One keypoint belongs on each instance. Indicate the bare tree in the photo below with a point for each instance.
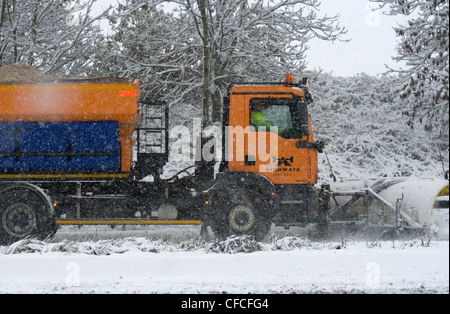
(203, 45)
(2, 10)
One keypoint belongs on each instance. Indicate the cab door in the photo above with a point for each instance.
(281, 153)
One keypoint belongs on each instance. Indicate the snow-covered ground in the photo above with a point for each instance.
(174, 260)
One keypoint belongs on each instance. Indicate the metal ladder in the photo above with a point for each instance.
(152, 139)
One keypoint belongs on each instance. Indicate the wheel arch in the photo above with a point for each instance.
(4, 187)
(251, 181)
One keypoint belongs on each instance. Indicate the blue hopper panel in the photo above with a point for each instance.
(59, 146)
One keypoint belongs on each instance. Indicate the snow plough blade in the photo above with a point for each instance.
(413, 203)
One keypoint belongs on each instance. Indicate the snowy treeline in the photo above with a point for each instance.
(363, 121)
(423, 44)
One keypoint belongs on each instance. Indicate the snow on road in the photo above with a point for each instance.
(145, 265)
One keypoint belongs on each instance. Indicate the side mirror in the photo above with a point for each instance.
(304, 130)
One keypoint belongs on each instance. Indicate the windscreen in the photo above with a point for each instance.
(290, 115)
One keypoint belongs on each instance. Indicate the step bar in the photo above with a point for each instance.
(99, 222)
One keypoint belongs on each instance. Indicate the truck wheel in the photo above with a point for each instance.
(241, 215)
(23, 213)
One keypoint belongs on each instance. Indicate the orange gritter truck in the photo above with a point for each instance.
(90, 152)
(80, 152)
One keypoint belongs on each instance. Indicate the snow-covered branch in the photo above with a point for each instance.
(218, 40)
(49, 35)
(423, 46)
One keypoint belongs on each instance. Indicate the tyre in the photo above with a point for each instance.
(24, 212)
(242, 214)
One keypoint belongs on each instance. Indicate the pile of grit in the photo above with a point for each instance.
(19, 74)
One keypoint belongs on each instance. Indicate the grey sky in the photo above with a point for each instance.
(372, 44)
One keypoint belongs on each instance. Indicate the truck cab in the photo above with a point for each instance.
(270, 165)
(282, 149)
